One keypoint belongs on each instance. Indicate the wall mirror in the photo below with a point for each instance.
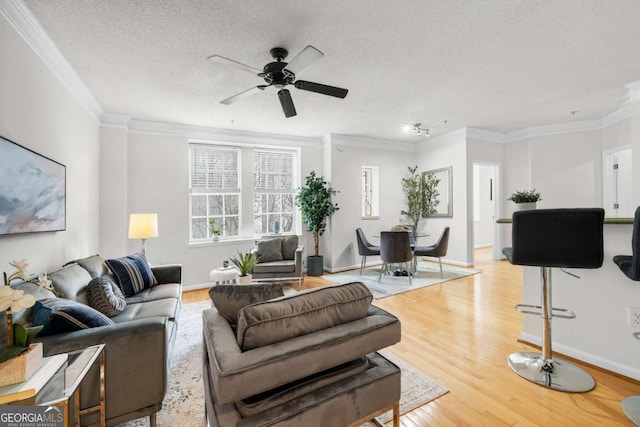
(444, 192)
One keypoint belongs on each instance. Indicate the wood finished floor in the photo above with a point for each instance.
(460, 334)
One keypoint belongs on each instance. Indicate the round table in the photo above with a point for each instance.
(221, 276)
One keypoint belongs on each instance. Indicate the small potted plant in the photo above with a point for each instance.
(525, 199)
(245, 263)
(215, 230)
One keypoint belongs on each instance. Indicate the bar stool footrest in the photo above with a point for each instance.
(555, 374)
(562, 313)
(528, 309)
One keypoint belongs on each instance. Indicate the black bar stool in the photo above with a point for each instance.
(546, 238)
(631, 404)
(630, 264)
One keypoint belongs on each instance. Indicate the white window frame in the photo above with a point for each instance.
(281, 214)
(207, 192)
(246, 221)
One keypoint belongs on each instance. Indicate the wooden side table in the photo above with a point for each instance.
(65, 385)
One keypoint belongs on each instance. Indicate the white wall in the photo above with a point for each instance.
(114, 214)
(452, 153)
(567, 170)
(36, 111)
(156, 170)
(346, 163)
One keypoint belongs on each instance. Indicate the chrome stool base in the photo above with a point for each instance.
(555, 374)
(631, 408)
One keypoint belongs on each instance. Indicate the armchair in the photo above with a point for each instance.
(280, 259)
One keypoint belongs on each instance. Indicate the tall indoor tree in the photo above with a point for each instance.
(314, 201)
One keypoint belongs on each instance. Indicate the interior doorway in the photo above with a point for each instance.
(485, 207)
(616, 182)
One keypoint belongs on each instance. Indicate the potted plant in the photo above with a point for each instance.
(412, 188)
(215, 230)
(314, 202)
(245, 263)
(525, 199)
(430, 194)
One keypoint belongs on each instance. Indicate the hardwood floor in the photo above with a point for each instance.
(460, 334)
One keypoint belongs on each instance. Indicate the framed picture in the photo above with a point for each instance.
(443, 194)
(32, 191)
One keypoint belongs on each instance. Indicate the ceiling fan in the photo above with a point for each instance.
(281, 74)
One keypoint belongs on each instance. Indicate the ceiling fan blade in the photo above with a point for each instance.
(306, 57)
(320, 88)
(242, 94)
(222, 60)
(287, 103)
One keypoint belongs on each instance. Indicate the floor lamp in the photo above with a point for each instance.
(143, 226)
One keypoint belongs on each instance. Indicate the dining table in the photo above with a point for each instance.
(414, 263)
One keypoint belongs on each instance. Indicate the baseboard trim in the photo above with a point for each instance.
(585, 358)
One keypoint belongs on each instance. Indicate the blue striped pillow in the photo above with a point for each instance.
(59, 315)
(133, 273)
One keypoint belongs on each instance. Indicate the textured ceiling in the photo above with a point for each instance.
(496, 65)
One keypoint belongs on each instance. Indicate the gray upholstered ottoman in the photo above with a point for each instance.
(348, 398)
(307, 359)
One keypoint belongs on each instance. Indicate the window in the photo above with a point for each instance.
(370, 206)
(215, 190)
(273, 191)
(219, 189)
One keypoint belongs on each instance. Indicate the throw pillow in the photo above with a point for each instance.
(270, 250)
(288, 317)
(133, 273)
(58, 315)
(230, 299)
(289, 246)
(105, 296)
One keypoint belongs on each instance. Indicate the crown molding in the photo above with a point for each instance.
(533, 131)
(617, 116)
(485, 135)
(633, 86)
(378, 144)
(459, 135)
(28, 27)
(115, 120)
(207, 133)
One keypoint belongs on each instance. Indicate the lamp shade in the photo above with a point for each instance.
(143, 225)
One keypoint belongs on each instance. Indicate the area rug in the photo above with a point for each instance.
(184, 403)
(416, 389)
(427, 274)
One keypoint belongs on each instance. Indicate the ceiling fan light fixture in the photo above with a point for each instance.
(281, 74)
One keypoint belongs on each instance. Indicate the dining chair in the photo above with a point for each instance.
(395, 248)
(365, 248)
(438, 249)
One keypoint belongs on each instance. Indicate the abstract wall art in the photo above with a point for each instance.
(32, 191)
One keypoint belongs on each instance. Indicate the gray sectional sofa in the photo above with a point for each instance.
(307, 359)
(137, 345)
